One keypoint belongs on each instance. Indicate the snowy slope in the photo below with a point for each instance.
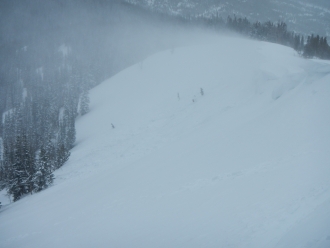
(247, 164)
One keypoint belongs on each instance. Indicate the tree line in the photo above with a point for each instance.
(314, 46)
(38, 130)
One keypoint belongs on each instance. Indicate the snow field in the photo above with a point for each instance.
(245, 165)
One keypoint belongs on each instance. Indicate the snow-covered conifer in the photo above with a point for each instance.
(43, 177)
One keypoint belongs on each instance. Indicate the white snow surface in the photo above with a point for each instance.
(245, 165)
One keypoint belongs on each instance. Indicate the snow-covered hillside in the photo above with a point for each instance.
(222, 144)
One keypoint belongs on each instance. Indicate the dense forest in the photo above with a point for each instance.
(54, 52)
(312, 47)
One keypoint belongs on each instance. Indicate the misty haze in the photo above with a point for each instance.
(174, 123)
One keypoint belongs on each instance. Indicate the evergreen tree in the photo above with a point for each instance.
(84, 103)
(21, 172)
(63, 155)
(43, 177)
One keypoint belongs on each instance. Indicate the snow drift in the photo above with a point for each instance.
(222, 144)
